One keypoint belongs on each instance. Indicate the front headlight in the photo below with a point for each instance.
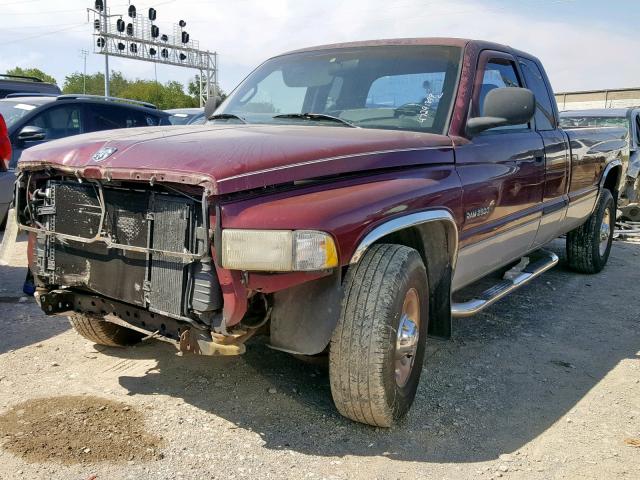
(278, 250)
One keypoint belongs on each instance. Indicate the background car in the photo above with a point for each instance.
(32, 120)
(6, 182)
(20, 84)
(627, 118)
(186, 116)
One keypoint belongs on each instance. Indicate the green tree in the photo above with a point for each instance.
(75, 83)
(193, 88)
(168, 95)
(32, 72)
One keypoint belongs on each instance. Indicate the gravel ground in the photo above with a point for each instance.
(543, 385)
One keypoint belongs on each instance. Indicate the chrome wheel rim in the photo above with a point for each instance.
(407, 337)
(605, 231)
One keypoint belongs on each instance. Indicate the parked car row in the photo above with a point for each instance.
(629, 120)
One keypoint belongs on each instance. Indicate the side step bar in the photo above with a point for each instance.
(506, 286)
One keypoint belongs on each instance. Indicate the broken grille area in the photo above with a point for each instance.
(139, 218)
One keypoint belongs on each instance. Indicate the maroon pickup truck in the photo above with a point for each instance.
(335, 202)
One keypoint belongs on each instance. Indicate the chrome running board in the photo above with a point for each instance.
(513, 280)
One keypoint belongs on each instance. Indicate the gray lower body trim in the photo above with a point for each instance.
(481, 258)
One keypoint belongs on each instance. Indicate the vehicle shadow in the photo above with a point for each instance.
(22, 322)
(507, 376)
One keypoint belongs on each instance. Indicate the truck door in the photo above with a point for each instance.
(556, 149)
(502, 174)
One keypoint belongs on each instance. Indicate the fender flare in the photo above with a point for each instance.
(407, 221)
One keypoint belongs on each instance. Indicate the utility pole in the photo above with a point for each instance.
(84, 54)
(105, 24)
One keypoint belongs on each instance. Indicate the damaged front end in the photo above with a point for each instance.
(132, 253)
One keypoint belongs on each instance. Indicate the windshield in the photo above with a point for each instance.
(583, 121)
(384, 87)
(14, 111)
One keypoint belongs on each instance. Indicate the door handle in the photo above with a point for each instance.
(538, 156)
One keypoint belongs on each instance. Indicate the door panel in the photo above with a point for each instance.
(555, 199)
(502, 175)
(556, 149)
(502, 179)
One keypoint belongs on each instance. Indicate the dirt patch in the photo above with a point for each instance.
(77, 429)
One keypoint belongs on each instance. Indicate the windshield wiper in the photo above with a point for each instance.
(317, 116)
(227, 116)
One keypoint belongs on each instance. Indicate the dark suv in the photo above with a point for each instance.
(11, 84)
(32, 120)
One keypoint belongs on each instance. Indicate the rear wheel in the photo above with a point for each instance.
(589, 245)
(102, 332)
(377, 348)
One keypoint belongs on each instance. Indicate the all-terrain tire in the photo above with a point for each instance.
(362, 356)
(584, 252)
(102, 332)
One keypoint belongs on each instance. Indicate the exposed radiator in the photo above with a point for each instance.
(133, 217)
(171, 231)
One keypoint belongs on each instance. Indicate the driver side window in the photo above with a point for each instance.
(59, 122)
(498, 73)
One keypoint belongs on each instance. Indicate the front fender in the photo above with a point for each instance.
(348, 209)
(354, 211)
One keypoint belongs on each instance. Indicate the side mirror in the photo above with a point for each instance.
(504, 106)
(32, 134)
(212, 104)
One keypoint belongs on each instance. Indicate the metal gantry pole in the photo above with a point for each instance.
(105, 23)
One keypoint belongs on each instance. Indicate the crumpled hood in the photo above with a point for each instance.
(230, 158)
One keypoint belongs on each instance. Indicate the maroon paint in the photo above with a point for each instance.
(269, 283)
(234, 158)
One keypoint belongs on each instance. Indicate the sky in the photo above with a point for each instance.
(583, 44)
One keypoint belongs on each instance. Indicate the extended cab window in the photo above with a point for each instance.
(535, 82)
(59, 122)
(498, 73)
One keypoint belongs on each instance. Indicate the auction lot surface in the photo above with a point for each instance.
(544, 385)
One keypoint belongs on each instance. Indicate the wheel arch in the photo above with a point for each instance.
(434, 234)
(611, 177)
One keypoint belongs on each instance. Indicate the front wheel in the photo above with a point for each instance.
(377, 348)
(101, 332)
(589, 245)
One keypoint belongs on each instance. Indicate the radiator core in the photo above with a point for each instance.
(138, 218)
